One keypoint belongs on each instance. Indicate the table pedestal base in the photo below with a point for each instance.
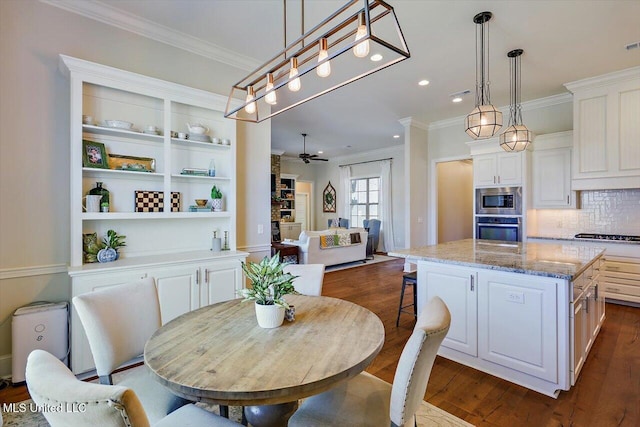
(270, 415)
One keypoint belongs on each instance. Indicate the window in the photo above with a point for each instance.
(365, 198)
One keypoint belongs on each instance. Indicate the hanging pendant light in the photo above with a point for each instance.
(485, 120)
(516, 137)
(337, 51)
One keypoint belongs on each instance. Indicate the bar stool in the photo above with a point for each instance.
(408, 279)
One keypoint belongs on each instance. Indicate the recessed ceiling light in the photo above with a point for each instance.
(396, 136)
(377, 57)
(423, 82)
(456, 99)
(319, 152)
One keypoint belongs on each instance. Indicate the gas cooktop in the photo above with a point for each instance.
(621, 237)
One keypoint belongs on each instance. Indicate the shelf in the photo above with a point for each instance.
(112, 216)
(106, 173)
(196, 177)
(187, 142)
(100, 130)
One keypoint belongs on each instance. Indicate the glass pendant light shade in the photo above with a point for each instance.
(516, 137)
(485, 120)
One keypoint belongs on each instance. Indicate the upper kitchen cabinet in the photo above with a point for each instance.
(493, 167)
(551, 172)
(606, 140)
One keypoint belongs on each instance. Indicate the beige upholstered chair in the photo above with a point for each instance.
(118, 321)
(52, 384)
(310, 278)
(368, 401)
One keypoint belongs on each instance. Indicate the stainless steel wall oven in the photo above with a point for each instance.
(499, 228)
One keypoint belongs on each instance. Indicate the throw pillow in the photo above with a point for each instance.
(355, 238)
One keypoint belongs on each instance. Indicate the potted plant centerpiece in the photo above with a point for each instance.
(111, 244)
(269, 286)
(216, 199)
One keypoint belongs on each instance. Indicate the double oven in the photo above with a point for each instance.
(499, 214)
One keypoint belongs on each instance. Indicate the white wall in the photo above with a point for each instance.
(34, 142)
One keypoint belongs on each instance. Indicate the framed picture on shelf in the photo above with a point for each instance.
(94, 155)
(329, 198)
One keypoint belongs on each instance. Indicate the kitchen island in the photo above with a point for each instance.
(525, 312)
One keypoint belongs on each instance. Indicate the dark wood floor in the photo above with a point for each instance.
(607, 392)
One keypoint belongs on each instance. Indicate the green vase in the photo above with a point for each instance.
(104, 201)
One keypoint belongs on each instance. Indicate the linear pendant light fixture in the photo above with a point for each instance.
(485, 120)
(332, 54)
(516, 137)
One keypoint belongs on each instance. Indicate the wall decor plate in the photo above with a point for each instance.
(153, 201)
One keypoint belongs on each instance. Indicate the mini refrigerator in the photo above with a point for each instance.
(39, 326)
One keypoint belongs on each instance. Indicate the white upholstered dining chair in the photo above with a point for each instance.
(310, 278)
(118, 321)
(368, 401)
(52, 384)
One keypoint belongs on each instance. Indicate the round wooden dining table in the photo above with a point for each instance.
(218, 354)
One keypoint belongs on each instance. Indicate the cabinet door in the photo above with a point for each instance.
(578, 328)
(517, 320)
(457, 288)
(484, 170)
(552, 179)
(221, 282)
(178, 290)
(509, 168)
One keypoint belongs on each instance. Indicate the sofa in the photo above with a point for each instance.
(332, 246)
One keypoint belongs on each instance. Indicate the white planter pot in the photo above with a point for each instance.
(216, 205)
(269, 316)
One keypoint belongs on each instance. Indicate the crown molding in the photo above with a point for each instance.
(410, 121)
(605, 79)
(129, 22)
(534, 104)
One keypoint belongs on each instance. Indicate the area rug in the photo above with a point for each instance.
(376, 259)
(427, 415)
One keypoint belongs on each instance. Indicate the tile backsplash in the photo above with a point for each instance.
(602, 211)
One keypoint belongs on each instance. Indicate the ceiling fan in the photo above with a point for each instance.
(306, 157)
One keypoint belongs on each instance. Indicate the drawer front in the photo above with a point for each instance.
(615, 288)
(622, 267)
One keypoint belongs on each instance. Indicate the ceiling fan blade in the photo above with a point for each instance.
(322, 160)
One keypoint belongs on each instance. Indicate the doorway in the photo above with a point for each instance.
(302, 210)
(455, 200)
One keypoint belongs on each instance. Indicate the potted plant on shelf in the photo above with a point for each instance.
(269, 286)
(111, 243)
(216, 199)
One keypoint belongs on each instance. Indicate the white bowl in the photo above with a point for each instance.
(120, 124)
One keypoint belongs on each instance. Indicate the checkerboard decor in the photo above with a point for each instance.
(153, 201)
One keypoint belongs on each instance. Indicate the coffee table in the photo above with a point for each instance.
(218, 354)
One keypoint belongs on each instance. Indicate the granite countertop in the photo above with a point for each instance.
(561, 238)
(537, 259)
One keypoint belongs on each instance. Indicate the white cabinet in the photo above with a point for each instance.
(498, 169)
(517, 324)
(587, 316)
(512, 325)
(456, 287)
(551, 172)
(620, 278)
(184, 282)
(290, 230)
(606, 150)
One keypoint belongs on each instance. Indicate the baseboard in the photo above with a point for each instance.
(5, 366)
